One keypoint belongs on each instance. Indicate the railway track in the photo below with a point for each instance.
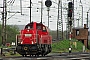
(53, 56)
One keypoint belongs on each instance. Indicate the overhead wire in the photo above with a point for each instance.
(11, 2)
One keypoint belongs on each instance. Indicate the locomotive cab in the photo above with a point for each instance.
(34, 39)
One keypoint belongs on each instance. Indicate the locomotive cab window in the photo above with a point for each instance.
(28, 27)
(44, 29)
(39, 27)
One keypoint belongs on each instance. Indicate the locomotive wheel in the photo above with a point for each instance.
(43, 54)
(46, 50)
(36, 55)
(30, 55)
(23, 55)
(49, 48)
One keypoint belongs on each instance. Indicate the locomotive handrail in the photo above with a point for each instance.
(17, 39)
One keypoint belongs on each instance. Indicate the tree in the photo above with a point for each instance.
(54, 34)
(11, 32)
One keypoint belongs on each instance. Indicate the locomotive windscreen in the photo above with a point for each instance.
(29, 26)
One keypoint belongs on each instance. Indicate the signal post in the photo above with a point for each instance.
(70, 12)
(4, 17)
(48, 3)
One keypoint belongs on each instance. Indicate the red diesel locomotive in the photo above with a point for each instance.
(34, 39)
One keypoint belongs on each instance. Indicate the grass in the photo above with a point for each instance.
(9, 54)
(60, 46)
(63, 46)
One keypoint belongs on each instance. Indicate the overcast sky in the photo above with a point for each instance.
(19, 19)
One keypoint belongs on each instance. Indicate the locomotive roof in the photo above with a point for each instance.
(31, 24)
(34, 22)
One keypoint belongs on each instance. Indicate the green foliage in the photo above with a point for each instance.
(11, 32)
(88, 44)
(11, 54)
(54, 34)
(63, 46)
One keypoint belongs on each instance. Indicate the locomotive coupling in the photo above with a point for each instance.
(25, 48)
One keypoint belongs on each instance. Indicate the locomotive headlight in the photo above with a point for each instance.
(28, 35)
(22, 42)
(32, 42)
